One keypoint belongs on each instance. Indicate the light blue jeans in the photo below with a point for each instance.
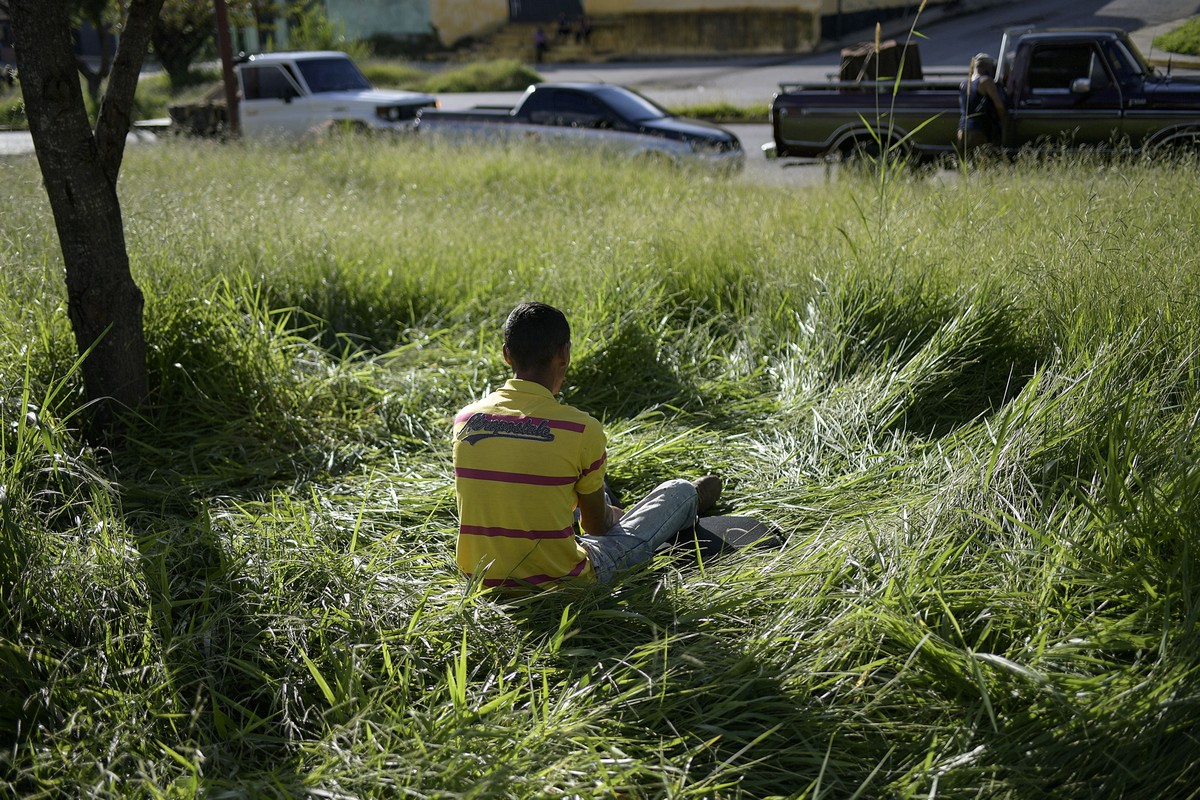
(656, 518)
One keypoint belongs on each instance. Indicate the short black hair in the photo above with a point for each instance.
(533, 333)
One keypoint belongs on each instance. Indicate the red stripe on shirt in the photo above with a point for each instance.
(512, 533)
(574, 427)
(532, 580)
(597, 464)
(513, 477)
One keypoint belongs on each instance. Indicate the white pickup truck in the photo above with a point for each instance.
(293, 94)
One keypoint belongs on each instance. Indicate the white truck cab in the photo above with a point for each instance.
(292, 94)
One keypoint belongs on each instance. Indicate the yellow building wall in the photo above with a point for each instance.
(851, 6)
(773, 23)
(455, 20)
(602, 7)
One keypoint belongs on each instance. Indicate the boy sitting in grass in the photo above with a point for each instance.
(524, 463)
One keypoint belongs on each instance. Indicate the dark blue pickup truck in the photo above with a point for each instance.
(1065, 89)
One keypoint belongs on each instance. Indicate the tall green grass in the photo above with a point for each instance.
(971, 409)
(1184, 38)
(12, 107)
(723, 111)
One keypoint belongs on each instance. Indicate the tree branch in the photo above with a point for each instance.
(115, 117)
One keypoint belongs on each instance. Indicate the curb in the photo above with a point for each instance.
(1173, 60)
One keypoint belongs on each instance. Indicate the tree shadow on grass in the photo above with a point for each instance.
(227, 670)
(949, 361)
(624, 374)
(222, 606)
(343, 310)
(966, 386)
(708, 704)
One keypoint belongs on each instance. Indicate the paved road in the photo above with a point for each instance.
(19, 143)
(14, 143)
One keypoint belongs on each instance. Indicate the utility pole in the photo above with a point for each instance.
(226, 51)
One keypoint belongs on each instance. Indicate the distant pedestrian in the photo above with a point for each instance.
(981, 106)
(583, 31)
(539, 44)
(564, 26)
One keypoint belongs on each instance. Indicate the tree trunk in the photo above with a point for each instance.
(80, 171)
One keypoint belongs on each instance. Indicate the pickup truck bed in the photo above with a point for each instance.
(841, 118)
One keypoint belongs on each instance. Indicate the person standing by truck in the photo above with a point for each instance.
(981, 107)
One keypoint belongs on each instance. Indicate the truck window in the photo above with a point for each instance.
(333, 74)
(540, 106)
(630, 105)
(562, 107)
(578, 110)
(1122, 62)
(1098, 71)
(267, 82)
(1053, 67)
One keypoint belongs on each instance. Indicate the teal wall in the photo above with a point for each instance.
(363, 18)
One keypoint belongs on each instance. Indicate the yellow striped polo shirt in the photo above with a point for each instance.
(521, 458)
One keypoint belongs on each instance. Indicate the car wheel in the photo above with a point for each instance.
(653, 158)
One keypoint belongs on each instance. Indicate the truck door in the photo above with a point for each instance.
(570, 116)
(580, 117)
(272, 103)
(1068, 97)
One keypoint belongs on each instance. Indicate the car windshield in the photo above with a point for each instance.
(332, 74)
(631, 105)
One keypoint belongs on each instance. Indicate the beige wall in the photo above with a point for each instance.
(850, 6)
(745, 30)
(822, 6)
(601, 7)
(458, 19)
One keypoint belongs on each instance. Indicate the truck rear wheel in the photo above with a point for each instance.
(1185, 146)
(867, 152)
(862, 150)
